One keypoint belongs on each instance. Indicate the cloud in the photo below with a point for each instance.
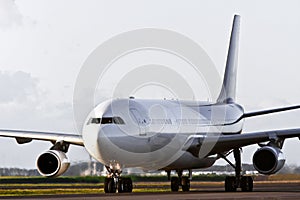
(25, 105)
(22, 100)
(18, 87)
(9, 14)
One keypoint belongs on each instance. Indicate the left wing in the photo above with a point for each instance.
(27, 136)
(223, 143)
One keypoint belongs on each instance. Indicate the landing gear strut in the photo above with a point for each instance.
(237, 181)
(115, 182)
(182, 181)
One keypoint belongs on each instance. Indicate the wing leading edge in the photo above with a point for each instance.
(27, 136)
(225, 143)
(269, 111)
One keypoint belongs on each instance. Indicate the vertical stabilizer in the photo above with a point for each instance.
(227, 93)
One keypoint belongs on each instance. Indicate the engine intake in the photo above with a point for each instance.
(268, 160)
(52, 163)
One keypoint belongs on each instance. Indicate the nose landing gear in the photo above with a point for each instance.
(115, 182)
(176, 182)
(124, 185)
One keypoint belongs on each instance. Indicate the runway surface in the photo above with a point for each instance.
(261, 191)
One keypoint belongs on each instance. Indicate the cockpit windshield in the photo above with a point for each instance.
(106, 120)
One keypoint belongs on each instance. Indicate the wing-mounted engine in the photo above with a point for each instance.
(268, 160)
(53, 162)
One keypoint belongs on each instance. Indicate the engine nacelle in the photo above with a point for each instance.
(268, 160)
(52, 163)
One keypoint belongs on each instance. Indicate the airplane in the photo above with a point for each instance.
(169, 135)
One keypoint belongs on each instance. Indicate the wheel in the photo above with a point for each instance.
(130, 186)
(121, 188)
(174, 184)
(124, 185)
(106, 185)
(247, 184)
(127, 182)
(185, 182)
(230, 184)
(109, 185)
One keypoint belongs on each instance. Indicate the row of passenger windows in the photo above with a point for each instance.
(161, 121)
(190, 121)
(106, 120)
(178, 121)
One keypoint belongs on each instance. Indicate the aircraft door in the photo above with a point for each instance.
(141, 121)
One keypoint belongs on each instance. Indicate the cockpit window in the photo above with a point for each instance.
(95, 120)
(118, 120)
(107, 120)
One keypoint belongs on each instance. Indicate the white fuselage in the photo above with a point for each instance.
(151, 134)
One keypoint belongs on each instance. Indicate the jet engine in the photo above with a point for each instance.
(268, 160)
(52, 163)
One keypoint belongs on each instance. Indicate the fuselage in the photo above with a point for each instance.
(151, 134)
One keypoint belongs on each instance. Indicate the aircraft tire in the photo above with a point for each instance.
(247, 184)
(174, 184)
(125, 185)
(186, 184)
(109, 185)
(230, 184)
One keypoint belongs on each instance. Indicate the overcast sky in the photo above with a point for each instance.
(43, 45)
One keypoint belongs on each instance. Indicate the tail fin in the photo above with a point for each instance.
(227, 93)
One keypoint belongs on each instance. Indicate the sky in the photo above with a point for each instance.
(45, 43)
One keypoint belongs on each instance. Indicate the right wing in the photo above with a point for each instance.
(27, 136)
(223, 143)
(269, 111)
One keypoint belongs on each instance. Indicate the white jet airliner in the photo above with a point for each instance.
(168, 135)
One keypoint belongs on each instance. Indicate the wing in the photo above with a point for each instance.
(269, 111)
(27, 136)
(225, 143)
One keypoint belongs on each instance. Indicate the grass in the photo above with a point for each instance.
(40, 179)
(28, 186)
(30, 192)
(53, 189)
(284, 177)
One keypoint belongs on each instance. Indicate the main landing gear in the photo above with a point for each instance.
(114, 182)
(180, 181)
(237, 181)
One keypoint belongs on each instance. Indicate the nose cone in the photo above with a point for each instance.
(100, 124)
(91, 130)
